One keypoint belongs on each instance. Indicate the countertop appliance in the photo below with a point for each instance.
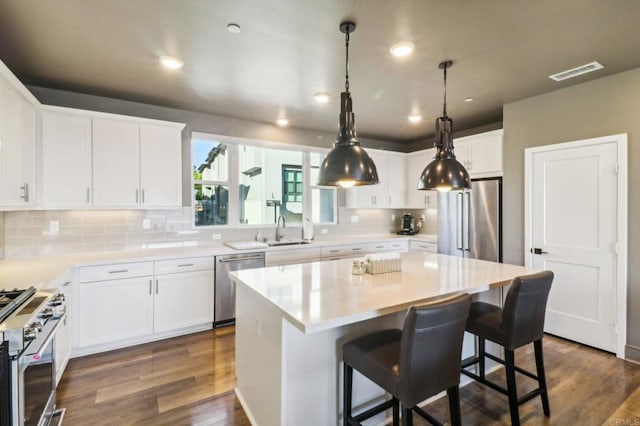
(470, 222)
(408, 225)
(29, 320)
(225, 290)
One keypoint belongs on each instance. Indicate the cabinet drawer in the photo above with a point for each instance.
(398, 245)
(424, 246)
(115, 271)
(187, 264)
(292, 256)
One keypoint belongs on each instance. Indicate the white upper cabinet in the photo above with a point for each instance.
(66, 160)
(18, 121)
(160, 165)
(116, 163)
(92, 159)
(481, 154)
(390, 192)
(419, 199)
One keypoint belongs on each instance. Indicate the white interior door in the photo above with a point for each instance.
(572, 223)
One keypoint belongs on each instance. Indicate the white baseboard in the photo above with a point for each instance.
(252, 420)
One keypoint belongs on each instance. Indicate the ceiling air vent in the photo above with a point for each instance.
(574, 72)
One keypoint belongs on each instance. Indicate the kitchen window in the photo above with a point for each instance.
(242, 182)
(210, 166)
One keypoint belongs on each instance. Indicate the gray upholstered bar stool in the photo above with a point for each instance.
(411, 364)
(519, 323)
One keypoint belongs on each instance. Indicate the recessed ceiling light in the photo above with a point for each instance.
(415, 118)
(171, 62)
(282, 122)
(233, 28)
(403, 48)
(469, 99)
(321, 97)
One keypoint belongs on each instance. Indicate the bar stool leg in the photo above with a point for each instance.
(510, 371)
(481, 352)
(396, 411)
(346, 399)
(407, 416)
(542, 381)
(454, 406)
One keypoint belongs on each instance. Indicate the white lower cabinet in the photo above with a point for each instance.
(114, 310)
(183, 300)
(426, 246)
(125, 304)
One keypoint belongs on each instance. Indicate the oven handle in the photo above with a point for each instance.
(53, 332)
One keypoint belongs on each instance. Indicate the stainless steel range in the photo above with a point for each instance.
(29, 320)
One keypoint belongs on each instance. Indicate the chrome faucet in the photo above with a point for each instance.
(280, 231)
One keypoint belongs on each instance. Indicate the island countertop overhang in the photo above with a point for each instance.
(322, 295)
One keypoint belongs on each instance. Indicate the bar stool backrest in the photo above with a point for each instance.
(524, 309)
(430, 348)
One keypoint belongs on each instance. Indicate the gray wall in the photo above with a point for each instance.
(607, 106)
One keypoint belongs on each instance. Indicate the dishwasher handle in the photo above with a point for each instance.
(239, 259)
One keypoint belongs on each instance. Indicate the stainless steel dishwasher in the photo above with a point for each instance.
(225, 289)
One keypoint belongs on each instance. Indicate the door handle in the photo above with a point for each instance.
(460, 212)
(538, 251)
(467, 215)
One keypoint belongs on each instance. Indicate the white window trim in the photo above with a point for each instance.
(233, 182)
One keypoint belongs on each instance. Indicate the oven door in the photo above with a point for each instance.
(36, 384)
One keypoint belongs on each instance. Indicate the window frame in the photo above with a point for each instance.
(233, 179)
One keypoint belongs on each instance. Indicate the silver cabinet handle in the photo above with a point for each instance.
(143, 196)
(88, 195)
(157, 286)
(150, 285)
(460, 213)
(25, 192)
(119, 271)
(66, 284)
(467, 216)
(239, 259)
(379, 247)
(137, 191)
(356, 248)
(184, 265)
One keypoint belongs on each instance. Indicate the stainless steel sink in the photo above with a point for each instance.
(287, 243)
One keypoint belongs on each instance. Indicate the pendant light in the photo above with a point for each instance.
(444, 173)
(347, 164)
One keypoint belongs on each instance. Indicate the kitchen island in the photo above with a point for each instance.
(291, 322)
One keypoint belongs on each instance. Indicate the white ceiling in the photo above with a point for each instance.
(288, 50)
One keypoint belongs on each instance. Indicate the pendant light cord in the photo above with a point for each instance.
(346, 68)
(444, 105)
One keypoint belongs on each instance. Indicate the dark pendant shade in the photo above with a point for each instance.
(444, 173)
(347, 164)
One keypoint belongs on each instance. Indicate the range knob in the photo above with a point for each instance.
(37, 325)
(46, 313)
(30, 334)
(57, 300)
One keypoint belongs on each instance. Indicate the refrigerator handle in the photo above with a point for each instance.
(467, 217)
(460, 218)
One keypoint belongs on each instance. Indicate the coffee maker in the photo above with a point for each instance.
(408, 225)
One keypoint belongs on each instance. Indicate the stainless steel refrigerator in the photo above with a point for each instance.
(470, 222)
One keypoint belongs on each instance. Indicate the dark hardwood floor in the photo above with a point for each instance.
(189, 380)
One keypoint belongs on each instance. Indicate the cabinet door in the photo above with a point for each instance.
(371, 196)
(116, 163)
(396, 180)
(485, 153)
(17, 150)
(415, 165)
(160, 165)
(66, 160)
(183, 300)
(114, 310)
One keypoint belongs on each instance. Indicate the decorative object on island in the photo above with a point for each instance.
(444, 173)
(347, 164)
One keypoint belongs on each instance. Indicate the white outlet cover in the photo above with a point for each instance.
(146, 224)
(216, 236)
(393, 217)
(324, 231)
(54, 226)
(355, 219)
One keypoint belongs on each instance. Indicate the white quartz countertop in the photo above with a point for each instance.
(40, 272)
(323, 295)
